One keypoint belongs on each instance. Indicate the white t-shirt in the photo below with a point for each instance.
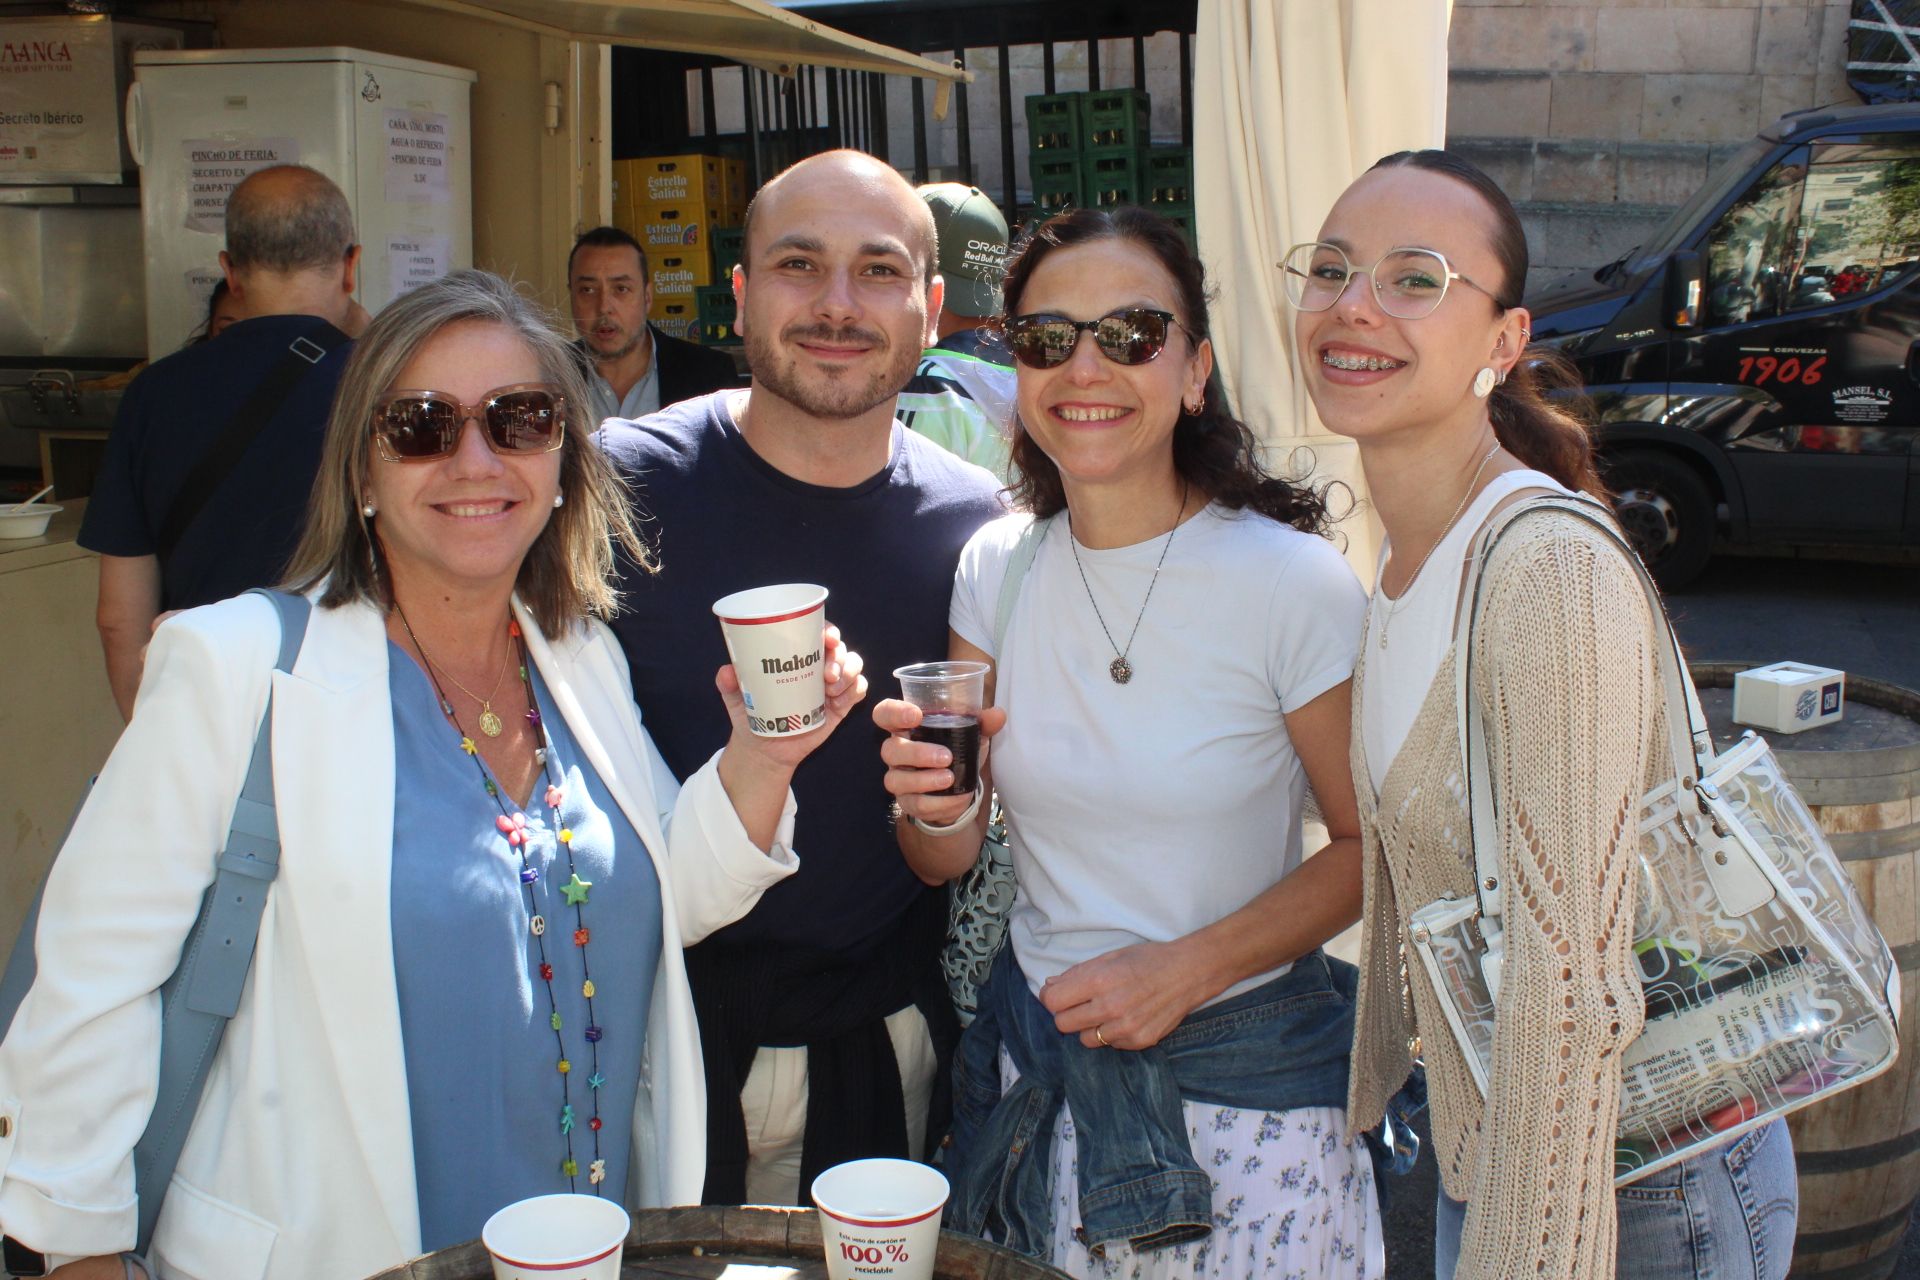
(1144, 811)
(1400, 676)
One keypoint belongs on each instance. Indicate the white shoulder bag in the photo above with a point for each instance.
(1767, 985)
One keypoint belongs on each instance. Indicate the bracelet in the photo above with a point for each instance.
(959, 824)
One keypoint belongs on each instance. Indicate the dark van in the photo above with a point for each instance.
(1756, 364)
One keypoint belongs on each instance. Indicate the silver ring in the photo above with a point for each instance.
(1099, 1033)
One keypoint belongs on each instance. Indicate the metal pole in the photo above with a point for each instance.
(1012, 200)
(919, 130)
(963, 116)
(1186, 89)
(1093, 64)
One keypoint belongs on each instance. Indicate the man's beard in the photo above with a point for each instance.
(633, 342)
(828, 395)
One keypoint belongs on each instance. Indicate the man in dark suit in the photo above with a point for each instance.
(632, 368)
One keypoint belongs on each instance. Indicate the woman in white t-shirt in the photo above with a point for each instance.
(1422, 366)
(1172, 678)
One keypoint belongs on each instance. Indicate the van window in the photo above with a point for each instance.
(1827, 222)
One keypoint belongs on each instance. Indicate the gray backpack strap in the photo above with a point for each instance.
(1018, 563)
(204, 992)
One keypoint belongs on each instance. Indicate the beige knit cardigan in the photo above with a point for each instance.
(1564, 671)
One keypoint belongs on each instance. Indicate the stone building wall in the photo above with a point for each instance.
(1601, 117)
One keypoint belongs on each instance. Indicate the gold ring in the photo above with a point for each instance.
(1099, 1033)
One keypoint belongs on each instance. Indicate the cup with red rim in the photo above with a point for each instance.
(880, 1219)
(557, 1237)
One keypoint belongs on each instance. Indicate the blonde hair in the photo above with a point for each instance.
(568, 572)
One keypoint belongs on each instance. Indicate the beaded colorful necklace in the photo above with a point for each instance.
(512, 825)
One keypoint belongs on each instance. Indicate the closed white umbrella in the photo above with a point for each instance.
(1293, 99)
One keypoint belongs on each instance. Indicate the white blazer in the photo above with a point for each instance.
(299, 1165)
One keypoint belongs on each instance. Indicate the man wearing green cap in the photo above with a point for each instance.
(961, 396)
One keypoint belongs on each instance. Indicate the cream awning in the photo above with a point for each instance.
(1291, 102)
(750, 31)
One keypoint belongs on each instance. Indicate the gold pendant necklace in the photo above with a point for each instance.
(490, 722)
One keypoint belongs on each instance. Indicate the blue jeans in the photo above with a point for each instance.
(1725, 1214)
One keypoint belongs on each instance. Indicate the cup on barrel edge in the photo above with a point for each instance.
(950, 696)
(880, 1219)
(776, 641)
(572, 1236)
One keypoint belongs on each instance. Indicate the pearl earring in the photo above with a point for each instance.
(559, 499)
(369, 510)
(1485, 381)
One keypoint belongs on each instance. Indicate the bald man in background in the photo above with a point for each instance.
(204, 488)
(824, 1017)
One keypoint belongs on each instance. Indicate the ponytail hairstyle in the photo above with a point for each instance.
(1540, 413)
(1213, 451)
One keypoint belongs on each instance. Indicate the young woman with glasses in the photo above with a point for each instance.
(1410, 336)
(1154, 1083)
(468, 987)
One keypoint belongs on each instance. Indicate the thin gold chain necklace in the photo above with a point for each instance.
(1391, 605)
(489, 721)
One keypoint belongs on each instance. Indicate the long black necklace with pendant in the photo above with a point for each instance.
(1120, 669)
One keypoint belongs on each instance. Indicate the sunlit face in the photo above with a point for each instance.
(1371, 374)
(611, 296)
(1097, 420)
(465, 520)
(836, 308)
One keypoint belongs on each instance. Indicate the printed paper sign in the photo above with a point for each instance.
(215, 166)
(417, 156)
(415, 260)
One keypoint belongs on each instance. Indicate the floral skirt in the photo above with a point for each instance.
(1293, 1199)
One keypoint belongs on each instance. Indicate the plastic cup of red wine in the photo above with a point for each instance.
(950, 696)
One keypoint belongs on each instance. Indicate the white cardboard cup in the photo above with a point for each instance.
(558, 1237)
(775, 638)
(880, 1219)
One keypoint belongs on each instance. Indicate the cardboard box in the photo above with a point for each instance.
(1788, 697)
(62, 82)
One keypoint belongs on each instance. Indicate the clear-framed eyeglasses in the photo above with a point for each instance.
(1407, 282)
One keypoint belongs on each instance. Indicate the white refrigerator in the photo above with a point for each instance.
(394, 133)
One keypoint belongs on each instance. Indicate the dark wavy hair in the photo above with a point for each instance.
(1540, 413)
(1213, 451)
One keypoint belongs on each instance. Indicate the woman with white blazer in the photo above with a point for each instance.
(467, 987)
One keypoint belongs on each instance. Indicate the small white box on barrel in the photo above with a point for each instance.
(1788, 697)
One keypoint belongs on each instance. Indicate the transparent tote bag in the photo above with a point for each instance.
(1767, 985)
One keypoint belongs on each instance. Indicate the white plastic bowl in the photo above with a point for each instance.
(27, 522)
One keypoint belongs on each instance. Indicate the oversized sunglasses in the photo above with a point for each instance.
(1132, 335)
(1408, 282)
(419, 426)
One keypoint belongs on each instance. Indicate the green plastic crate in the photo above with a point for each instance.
(1181, 215)
(1113, 176)
(1170, 175)
(1058, 181)
(1116, 118)
(714, 315)
(729, 246)
(1053, 121)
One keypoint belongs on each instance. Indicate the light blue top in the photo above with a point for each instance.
(482, 1081)
(641, 400)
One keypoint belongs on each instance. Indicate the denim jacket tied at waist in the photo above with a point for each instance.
(1282, 1045)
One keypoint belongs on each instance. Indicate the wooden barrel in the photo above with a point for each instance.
(1859, 1153)
(699, 1244)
